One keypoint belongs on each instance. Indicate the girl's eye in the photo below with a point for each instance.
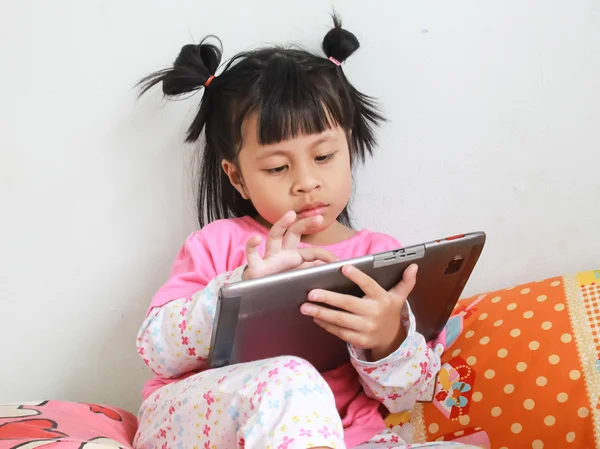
(277, 169)
(324, 158)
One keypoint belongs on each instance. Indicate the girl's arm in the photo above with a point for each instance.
(175, 338)
(405, 376)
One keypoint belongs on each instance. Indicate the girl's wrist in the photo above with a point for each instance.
(381, 352)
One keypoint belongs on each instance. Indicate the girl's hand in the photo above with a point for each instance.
(372, 322)
(281, 250)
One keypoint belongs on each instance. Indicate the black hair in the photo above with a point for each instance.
(292, 91)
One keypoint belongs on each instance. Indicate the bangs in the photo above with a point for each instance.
(291, 100)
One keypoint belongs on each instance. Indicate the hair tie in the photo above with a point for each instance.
(335, 61)
(209, 80)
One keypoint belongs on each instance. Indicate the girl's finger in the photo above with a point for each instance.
(314, 254)
(283, 261)
(316, 263)
(349, 336)
(367, 284)
(252, 257)
(348, 303)
(298, 229)
(337, 318)
(277, 232)
(409, 279)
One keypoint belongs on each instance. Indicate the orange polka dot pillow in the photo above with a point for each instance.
(523, 372)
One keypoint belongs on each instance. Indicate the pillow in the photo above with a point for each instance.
(65, 425)
(524, 372)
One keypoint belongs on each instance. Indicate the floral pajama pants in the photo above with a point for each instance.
(279, 403)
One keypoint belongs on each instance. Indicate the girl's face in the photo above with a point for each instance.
(309, 174)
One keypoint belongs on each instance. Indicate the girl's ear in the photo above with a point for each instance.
(235, 177)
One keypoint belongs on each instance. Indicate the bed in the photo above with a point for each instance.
(521, 370)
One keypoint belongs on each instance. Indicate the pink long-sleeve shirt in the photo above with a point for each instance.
(174, 340)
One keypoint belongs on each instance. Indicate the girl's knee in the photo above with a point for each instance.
(292, 364)
(290, 373)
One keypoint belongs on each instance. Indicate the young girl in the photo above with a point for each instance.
(283, 128)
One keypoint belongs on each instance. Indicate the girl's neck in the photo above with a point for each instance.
(335, 233)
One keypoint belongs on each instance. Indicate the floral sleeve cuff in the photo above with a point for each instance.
(235, 275)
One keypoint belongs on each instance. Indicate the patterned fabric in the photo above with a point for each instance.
(524, 372)
(280, 403)
(65, 425)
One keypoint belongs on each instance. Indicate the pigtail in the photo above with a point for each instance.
(339, 44)
(193, 69)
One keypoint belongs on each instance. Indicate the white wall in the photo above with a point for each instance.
(495, 113)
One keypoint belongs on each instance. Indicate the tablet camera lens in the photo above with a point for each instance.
(454, 265)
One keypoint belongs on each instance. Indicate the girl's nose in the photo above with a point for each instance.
(305, 181)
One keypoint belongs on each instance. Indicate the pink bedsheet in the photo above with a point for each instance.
(65, 425)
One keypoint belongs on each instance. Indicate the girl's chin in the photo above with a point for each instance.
(325, 225)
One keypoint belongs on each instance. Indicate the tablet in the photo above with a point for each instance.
(260, 318)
